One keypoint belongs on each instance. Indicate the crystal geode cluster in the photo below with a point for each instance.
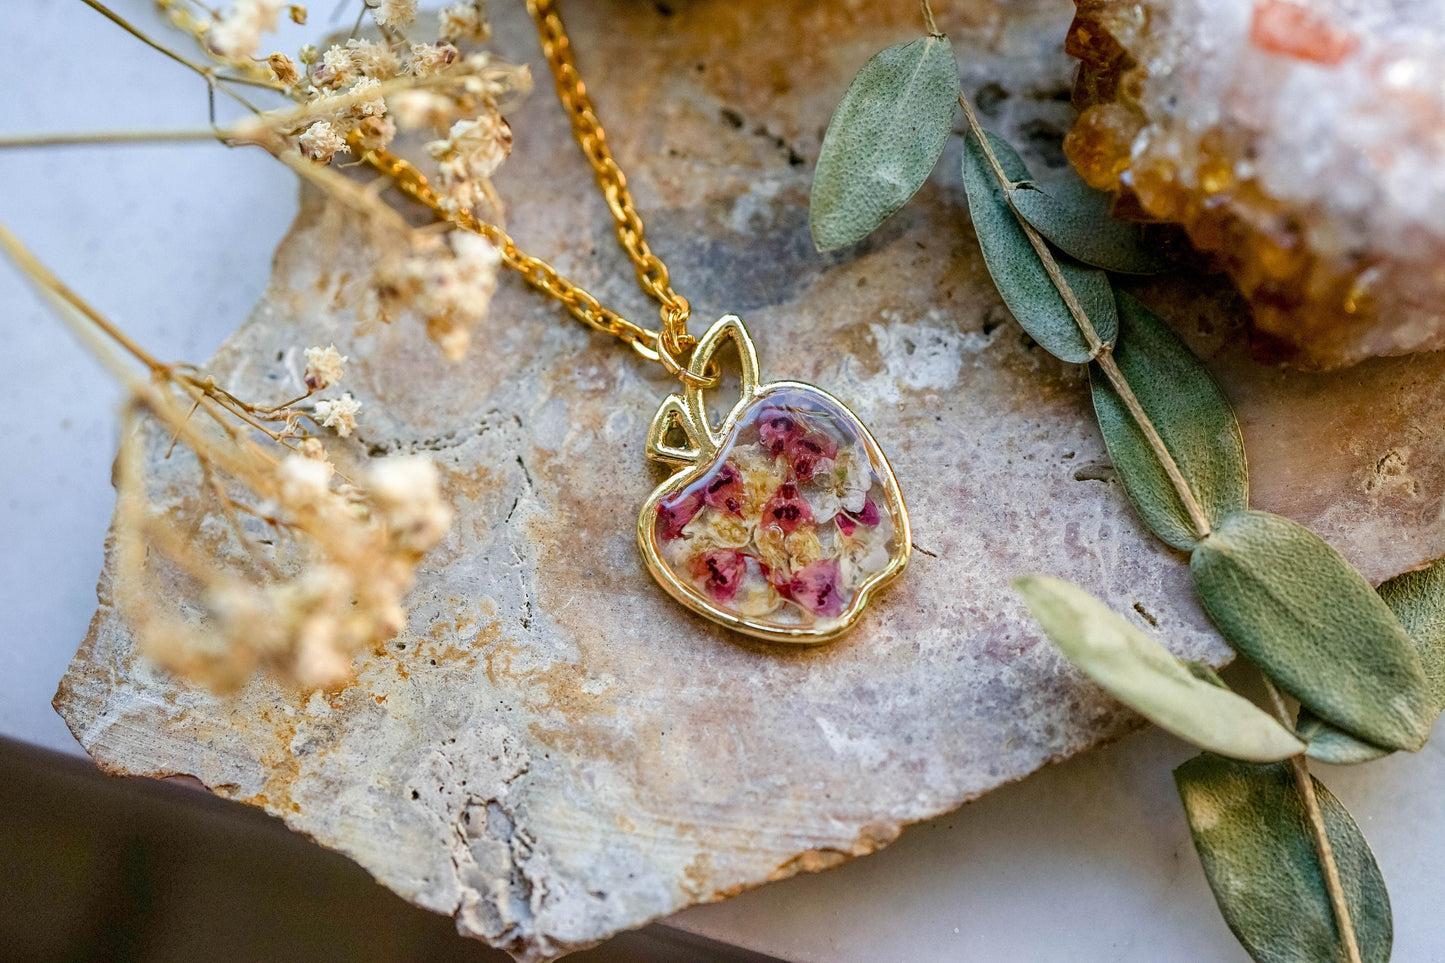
(1300, 146)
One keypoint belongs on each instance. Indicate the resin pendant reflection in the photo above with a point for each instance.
(784, 520)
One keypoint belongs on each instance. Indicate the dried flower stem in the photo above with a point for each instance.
(928, 20)
(214, 79)
(59, 293)
(83, 138)
(1333, 885)
(1101, 352)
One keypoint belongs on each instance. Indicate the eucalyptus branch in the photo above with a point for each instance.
(1101, 352)
(928, 20)
(1333, 884)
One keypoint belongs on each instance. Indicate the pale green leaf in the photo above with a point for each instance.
(885, 137)
(1076, 219)
(1146, 677)
(1192, 416)
(1418, 601)
(1314, 625)
(1250, 828)
(1329, 743)
(1016, 269)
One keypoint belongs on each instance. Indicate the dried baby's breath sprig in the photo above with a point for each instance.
(297, 570)
(338, 414)
(324, 367)
(449, 283)
(466, 159)
(354, 97)
(466, 21)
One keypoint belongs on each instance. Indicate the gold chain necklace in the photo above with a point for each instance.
(781, 522)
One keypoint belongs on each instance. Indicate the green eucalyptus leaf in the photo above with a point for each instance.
(1251, 830)
(1016, 269)
(1192, 416)
(1314, 625)
(1204, 672)
(885, 137)
(1146, 677)
(1329, 743)
(1418, 601)
(1076, 218)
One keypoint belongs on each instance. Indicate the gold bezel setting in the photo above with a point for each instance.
(687, 413)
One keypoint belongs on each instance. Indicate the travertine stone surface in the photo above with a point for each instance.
(555, 750)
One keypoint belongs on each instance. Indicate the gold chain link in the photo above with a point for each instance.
(670, 346)
(587, 129)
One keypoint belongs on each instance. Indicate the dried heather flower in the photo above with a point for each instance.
(394, 13)
(338, 414)
(323, 367)
(320, 142)
(466, 21)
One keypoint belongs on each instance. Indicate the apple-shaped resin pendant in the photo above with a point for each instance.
(784, 520)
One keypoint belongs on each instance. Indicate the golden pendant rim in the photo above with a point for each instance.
(689, 413)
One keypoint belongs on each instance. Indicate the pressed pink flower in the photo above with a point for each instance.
(720, 572)
(815, 587)
(724, 490)
(846, 524)
(787, 509)
(809, 452)
(777, 427)
(868, 516)
(675, 511)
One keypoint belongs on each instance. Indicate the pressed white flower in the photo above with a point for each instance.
(842, 486)
(394, 13)
(406, 491)
(338, 414)
(465, 21)
(320, 142)
(323, 367)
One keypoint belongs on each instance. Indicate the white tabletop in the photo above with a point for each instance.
(1086, 861)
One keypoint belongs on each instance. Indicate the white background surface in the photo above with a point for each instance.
(1086, 861)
